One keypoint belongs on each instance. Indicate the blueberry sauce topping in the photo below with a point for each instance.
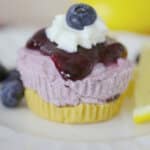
(78, 65)
(80, 15)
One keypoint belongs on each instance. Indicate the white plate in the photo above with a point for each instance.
(20, 124)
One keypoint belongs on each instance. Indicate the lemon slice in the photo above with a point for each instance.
(142, 90)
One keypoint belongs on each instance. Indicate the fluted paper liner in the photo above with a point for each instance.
(82, 113)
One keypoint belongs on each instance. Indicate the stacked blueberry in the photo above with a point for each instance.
(12, 90)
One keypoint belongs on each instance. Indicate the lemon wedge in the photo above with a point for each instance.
(142, 90)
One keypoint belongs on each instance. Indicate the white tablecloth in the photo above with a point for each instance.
(12, 39)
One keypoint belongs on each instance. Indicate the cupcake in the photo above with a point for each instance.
(73, 72)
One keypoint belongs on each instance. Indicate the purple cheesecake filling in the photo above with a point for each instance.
(102, 85)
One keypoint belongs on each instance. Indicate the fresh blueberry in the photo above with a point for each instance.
(80, 15)
(12, 75)
(11, 93)
(3, 72)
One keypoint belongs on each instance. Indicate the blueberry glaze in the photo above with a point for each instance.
(78, 65)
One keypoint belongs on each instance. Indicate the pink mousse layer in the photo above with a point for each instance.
(39, 73)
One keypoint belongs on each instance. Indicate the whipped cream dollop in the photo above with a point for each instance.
(69, 39)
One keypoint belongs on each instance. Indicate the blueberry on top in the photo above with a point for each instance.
(80, 15)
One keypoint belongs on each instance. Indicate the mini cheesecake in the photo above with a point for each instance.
(73, 72)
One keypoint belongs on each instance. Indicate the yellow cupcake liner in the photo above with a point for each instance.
(82, 113)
